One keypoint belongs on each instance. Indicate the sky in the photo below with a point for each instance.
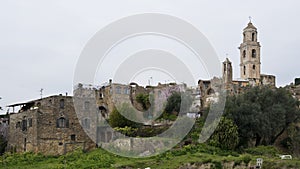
(41, 41)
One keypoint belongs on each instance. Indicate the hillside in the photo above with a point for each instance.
(198, 156)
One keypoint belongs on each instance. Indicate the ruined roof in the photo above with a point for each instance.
(32, 101)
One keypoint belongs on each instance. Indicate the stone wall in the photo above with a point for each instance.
(49, 126)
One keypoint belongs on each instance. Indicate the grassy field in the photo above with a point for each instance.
(194, 155)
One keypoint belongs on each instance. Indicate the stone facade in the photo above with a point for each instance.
(250, 70)
(49, 126)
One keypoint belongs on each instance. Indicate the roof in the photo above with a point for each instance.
(227, 61)
(32, 101)
(250, 26)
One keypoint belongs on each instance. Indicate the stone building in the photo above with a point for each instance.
(250, 70)
(48, 125)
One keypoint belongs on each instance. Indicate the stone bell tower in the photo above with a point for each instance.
(227, 72)
(250, 54)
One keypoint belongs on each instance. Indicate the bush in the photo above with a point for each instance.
(269, 151)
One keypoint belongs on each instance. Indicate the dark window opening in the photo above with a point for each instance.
(253, 36)
(73, 137)
(62, 123)
(253, 53)
(62, 103)
(253, 67)
(244, 53)
(25, 141)
(18, 125)
(244, 70)
(60, 143)
(24, 125)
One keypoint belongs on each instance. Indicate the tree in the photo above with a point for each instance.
(116, 119)
(226, 135)
(262, 114)
(178, 102)
(143, 99)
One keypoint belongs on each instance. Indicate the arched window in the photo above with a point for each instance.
(253, 36)
(244, 70)
(62, 103)
(253, 67)
(62, 123)
(253, 53)
(244, 53)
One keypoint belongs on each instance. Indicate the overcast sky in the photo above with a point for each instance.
(40, 41)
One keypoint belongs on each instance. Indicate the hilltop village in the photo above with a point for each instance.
(52, 125)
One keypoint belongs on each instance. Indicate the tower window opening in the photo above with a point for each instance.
(244, 53)
(253, 53)
(253, 67)
(62, 103)
(244, 70)
(253, 36)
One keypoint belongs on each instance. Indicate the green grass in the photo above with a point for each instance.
(194, 155)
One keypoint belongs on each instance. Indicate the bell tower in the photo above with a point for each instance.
(227, 72)
(250, 54)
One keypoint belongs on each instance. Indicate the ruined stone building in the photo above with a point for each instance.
(48, 125)
(250, 69)
(59, 124)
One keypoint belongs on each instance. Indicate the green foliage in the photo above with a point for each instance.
(128, 131)
(246, 159)
(270, 151)
(143, 99)
(116, 119)
(176, 158)
(262, 114)
(226, 135)
(178, 102)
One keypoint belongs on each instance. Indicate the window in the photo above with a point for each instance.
(73, 137)
(126, 90)
(253, 67)
(62, 123)
(24, 125)
(86, 105)
(62, 103)
(18, 124)
(118, 90)
(253, 53)
(244, 70)
(253, 36)
(244, 53)
(86, 123)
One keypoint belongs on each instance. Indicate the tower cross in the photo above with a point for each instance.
(41, 92)
(250, 19)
